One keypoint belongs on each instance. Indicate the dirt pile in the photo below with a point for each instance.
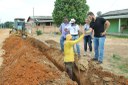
(32, 62)
(94, 74)
(24, 64)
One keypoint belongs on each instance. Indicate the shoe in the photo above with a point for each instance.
(99, 62)
(84, 54)
(94, 59)
(79, 55)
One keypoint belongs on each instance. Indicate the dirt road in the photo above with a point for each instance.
(4, 33)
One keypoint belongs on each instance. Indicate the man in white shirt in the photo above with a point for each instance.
(74, 31)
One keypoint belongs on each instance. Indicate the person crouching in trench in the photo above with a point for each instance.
(69, 53)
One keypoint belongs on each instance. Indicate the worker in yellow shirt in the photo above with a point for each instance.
(69, 54)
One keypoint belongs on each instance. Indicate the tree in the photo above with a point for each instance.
(9, 24)
(76, 9)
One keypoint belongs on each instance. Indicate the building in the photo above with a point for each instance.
(118, 20)
(41, 20)
(19, 23)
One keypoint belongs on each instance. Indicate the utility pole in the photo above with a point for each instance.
(33, 12)
(33, 22)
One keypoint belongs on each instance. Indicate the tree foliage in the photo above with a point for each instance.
(8, 24)
(76, 9)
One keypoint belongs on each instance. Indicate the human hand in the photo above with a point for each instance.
(103, 33)
(66, 30)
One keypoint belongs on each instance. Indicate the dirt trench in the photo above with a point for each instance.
(33, 62)
(27, 63)
(94, 74)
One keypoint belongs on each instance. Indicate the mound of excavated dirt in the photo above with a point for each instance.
(93, 75)
(25, 64)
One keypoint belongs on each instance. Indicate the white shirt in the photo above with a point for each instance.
(73, 29)
(86, 28)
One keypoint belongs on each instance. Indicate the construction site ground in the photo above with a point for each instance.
(38, 60)
(115, 57)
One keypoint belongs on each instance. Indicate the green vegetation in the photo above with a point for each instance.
(118, 36)
(39, 32)
(116, 57)
(76, 9)
(123, 68)
(7, 24)
(120, 63)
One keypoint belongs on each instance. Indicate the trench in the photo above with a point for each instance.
(46, 49)
(94, 74)
(30, 62)
(37, 55)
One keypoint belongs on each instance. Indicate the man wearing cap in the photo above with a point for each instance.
(74, 31)
(62, 28)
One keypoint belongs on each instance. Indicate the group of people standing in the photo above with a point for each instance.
(70, 37)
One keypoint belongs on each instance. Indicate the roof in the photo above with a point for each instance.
(41, 18)
(19, 19)
(116, 14)
(44, 21)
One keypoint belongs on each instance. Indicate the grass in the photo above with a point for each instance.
(116, 57)
(123, 68)
(120, 63)
(117, 36)
(39, 32)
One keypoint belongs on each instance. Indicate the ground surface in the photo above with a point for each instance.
(28, 61)
(116, 53)
(3, 35)
(25, 64)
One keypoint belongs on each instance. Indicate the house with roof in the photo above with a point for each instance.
(118, 20)
(41, 20)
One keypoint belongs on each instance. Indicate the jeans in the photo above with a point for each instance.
(87, 39)
(62, 39)
(74, 37)
(99, 48)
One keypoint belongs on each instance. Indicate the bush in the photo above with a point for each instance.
(38, 32)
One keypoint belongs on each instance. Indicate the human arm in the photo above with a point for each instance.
(88, 31)
(79, 31)
(60, 28)
(106, 26)
(77, 40)
(67, 29)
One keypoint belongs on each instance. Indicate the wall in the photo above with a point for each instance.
(113, 26)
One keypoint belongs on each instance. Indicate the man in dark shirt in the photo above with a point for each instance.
(100, 26)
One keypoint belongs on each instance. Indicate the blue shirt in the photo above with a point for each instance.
(63, 26)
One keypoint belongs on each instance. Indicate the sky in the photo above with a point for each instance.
(10, 9)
